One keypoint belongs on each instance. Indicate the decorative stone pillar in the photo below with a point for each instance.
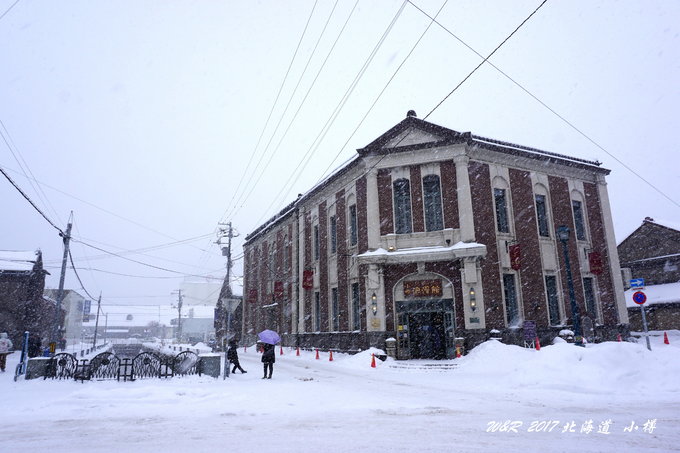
(465, 213)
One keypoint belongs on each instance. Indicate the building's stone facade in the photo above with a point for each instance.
(433, 237)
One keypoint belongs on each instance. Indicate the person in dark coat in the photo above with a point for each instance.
(268, 358)
(232, 356)
(34, 346)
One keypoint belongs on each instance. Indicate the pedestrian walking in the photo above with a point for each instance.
(232, 356)
(34, 346)
(268, 358)
(6, 347)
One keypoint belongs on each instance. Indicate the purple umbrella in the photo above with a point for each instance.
(269, 337)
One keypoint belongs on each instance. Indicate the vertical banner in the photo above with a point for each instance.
(308, 279)
(515, 256)
(278, 290)
(595, 262)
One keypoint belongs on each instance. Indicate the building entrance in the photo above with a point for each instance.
(425, 329)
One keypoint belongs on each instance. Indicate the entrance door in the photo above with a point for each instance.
(428, 340)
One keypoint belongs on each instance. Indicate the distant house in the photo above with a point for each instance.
(22, 306)
(76, 308)
(652, 252)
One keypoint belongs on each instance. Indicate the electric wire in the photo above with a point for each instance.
(485, 59)
(324, 130)
(237, 207)
(4, 173)
(271, 111)
(9, 9)
(554, 112)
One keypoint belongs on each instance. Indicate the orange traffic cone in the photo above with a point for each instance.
(458, 352)
(618, 338)
(281, 350)
(298, 351)
(330, 358)
(317, 354)
(665, 338)
(538, 344)
(372, 360)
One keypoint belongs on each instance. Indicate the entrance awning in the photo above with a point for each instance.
(423, 254)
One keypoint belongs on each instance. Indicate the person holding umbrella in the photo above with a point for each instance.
(269, 338)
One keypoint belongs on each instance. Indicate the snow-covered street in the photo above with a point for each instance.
(345, 405)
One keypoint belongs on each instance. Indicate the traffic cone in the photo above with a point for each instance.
(317, 354)
(330, 358)
(458, 356)
(298, 351)
(372, 360)
(618, 338)
(281, 350)
(665, 338)
(538, 344)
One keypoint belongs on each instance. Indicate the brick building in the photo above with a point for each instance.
(652, 252)
(435, 237)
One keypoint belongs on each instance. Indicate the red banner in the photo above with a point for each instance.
(595, 262)
(515, 256)
(308, 279)
(278, 290)
(252, 296)
(423, 288)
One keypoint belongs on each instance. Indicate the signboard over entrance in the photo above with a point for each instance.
(423, 288)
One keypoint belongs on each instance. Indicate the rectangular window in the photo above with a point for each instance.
(432, 197)
(578, 220)
(334, 234)
(542, 216)
(402, 206)
(356, 307)
(316, 242)
(589, 291)
(317, 311)
(511, 305)
(353, 237)
(553, 300)
(335, 309)
(501, 210)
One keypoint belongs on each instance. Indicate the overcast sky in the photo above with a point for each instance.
(150, 120)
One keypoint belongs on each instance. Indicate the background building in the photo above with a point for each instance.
(652, 252)
(22, 306)
(437, 238)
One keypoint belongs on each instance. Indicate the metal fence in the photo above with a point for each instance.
(109, 366)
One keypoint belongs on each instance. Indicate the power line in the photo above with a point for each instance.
(385, 88)
(136, 261)
(75, 271)
(550, 109)
(8, 9)
(350, 89)
(485, 59)
(271, 111)
(29, 200)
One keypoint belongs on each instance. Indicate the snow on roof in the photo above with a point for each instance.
(12, 260)
(418, 250)
(667, 293)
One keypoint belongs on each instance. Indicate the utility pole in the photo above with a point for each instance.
(223, 330)
(96, 322)
(179, 314)
(60, 292)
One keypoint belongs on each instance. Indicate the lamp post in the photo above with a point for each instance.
(374, 304)
(563, 235)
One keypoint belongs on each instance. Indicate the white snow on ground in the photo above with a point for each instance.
(345, 405)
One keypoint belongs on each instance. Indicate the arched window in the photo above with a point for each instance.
(432, 195)
(402, 206)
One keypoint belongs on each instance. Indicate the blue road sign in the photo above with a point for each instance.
(637, 283)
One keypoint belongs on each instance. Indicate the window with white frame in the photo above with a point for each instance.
(542, 215)
(316, 242)
(579, 220)
(353, 233)
(501, 205)
(553, 300)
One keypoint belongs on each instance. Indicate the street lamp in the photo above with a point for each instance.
(563, 235)
(374, 304)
